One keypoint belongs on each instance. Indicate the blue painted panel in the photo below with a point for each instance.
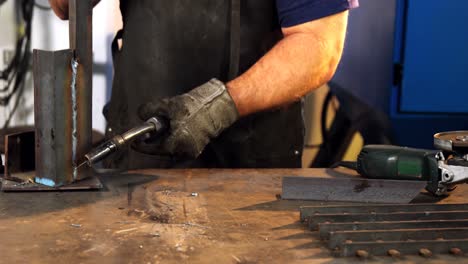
(435, 62)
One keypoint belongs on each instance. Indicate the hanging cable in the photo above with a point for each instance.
(14, 75)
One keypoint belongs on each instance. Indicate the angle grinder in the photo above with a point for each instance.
(442, 169)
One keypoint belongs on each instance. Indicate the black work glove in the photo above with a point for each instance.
(194, 119)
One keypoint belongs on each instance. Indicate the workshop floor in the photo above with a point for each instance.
(169, 216)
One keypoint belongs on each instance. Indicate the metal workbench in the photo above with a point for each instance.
(171, 216)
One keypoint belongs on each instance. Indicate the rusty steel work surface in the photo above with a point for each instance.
(423, 229)
(175, 216)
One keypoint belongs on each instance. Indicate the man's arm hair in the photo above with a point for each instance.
(305, 59)
(60, 7)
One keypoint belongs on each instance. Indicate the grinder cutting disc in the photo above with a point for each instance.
(452, 141)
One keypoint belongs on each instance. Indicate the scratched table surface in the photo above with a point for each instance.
(171, 216)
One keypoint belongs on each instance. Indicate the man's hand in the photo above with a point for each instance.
(195, 118)
(60, 7)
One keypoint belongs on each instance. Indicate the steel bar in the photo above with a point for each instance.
(80, 35)
(382, 217)
(366, 230)
(351, 189)
(408, 247)
(307, 211)
(326, 228)
(337, 239)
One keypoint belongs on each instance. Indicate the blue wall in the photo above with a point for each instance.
(435, 57)
(431, 45)
(366, 68)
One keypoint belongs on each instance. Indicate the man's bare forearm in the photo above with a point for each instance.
(305, 59)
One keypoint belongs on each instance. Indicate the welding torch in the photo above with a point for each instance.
(154, 125)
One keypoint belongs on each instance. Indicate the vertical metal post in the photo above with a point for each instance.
(81, 42)
(63, 103)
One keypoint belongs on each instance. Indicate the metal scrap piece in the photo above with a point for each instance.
(351, 189)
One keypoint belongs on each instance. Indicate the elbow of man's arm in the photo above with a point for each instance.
(324, 61)
(60, 8)
(324, 41)
(333, 58)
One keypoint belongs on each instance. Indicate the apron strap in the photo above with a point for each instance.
(115, 44)
(234, 53)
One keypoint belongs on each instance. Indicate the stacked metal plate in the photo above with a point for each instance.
(366, 230)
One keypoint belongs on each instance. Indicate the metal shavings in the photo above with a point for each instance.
(76, 225)
(195, 225)
(126, 230)
(74, 67)
(125, 222)
(28, 181)
(194, 194)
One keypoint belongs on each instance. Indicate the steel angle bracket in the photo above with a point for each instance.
(351, 189)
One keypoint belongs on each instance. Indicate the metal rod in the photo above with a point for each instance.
(425, 248)
(381, 217)
(338, 238)
(326, 228)
(366, 230)
(307, 211)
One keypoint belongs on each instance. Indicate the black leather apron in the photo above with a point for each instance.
(170, 47)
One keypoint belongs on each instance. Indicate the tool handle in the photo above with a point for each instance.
(397, 163)
(152, 125)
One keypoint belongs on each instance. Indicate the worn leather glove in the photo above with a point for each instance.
(194, 118)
